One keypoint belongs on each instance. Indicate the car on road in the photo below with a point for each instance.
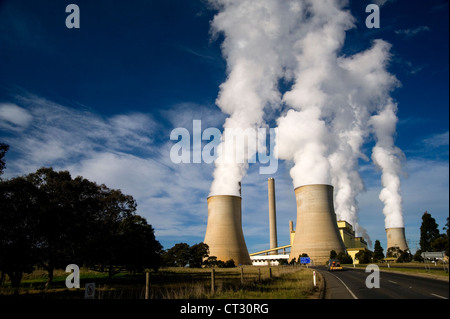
(334, 264)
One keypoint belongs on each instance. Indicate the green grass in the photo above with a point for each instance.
(295, 285)
(176, 283)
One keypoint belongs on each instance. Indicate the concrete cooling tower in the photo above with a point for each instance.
(396, 238)
(224, 234)
(316, 230)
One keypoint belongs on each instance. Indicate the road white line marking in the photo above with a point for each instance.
(439, 296)
(394, 282)
(351, 293)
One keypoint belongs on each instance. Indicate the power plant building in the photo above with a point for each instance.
(352, 243)
(317, 230)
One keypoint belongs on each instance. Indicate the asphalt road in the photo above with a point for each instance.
(351, 284)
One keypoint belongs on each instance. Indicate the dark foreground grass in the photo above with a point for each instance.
(175, 283)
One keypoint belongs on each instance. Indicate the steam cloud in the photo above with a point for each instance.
(334, 104)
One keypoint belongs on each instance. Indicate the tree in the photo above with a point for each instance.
(441, 243)
(344, 258)
(107, 242)
(364, 256)
(18, 240)
(394, 252)
(3, 149)
(378, 254)
(428, 232)
(198, 253)
(54, 217)
(405, 256)
(418, 256)
(333, 254)
(177, 256)
(447, 243)
(138, 247)
(51, 220)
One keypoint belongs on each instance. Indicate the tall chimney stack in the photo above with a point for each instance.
(316, 231)
(224, 234)
(272, 215)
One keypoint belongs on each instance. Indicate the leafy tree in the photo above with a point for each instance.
(54, 217)
(344, 258)
(3, 149)
(139, 248)
(333, 254)
(107, 242)
(211, 261)
(418, 256)
(378, 254)
(229, 264)
(405, 256)
(364, 256)
(394, 252)
(428, 232)
(441, 243)
(177, 256)
(51, 220)
(18, 242)
(447, 228)
(198, 253)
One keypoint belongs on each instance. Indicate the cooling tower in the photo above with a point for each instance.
(224, 234)
(316, 231)
(396, 238)
(272, 215)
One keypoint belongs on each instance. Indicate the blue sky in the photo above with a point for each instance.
(102, 100)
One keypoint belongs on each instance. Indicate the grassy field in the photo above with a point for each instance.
(282, 282)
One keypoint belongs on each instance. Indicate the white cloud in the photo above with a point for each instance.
(437, 140)
(13, 117)
(130, 152)
(408, 33)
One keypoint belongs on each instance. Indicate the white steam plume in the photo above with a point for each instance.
(388, 158)
(334, 105)
(331, 103)
(251, 30)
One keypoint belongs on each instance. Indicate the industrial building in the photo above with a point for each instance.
(318, 231)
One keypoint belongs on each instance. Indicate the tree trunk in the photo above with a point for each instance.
(15, 277)
(50, 276)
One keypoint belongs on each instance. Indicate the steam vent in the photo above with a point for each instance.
(316, 231)
(224, 234)
(396, 238)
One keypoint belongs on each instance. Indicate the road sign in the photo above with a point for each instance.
(433, 255)
(305, 260)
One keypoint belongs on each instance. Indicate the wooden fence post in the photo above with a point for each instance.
(147, 285)
(213, 280)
